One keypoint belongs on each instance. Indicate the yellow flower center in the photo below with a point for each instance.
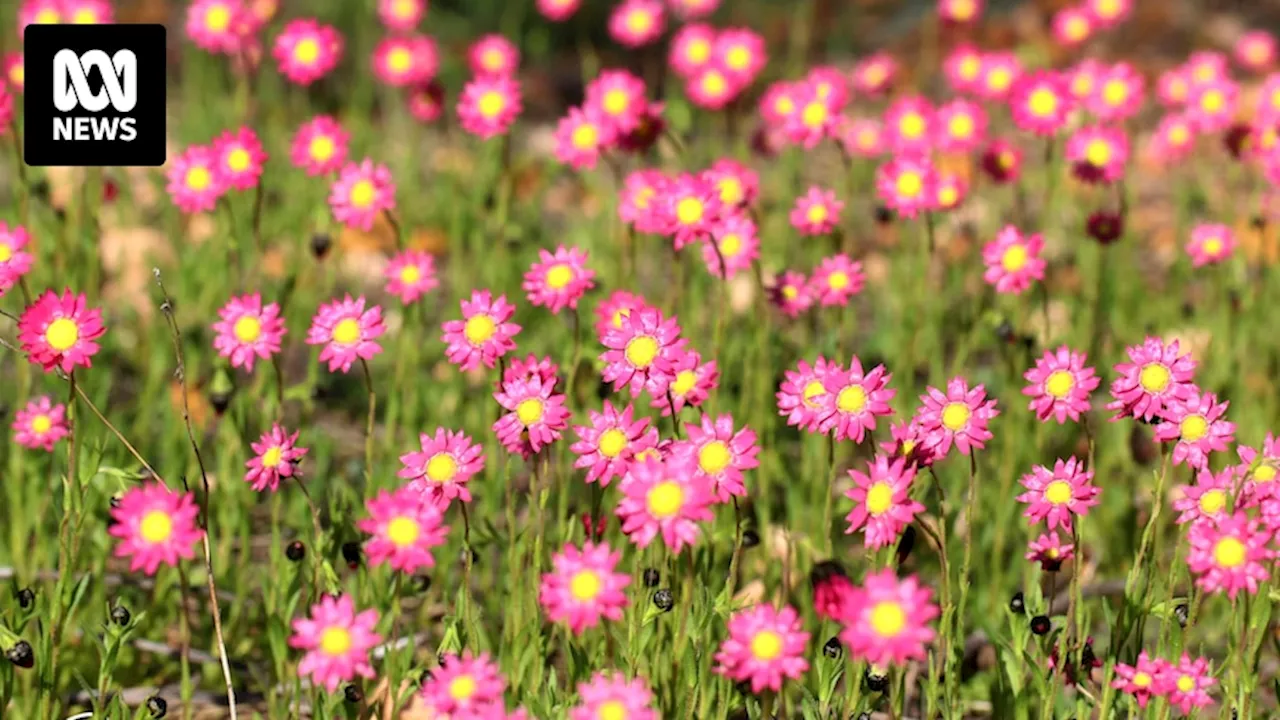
(1043, 102)
(1193, 427)
(491, 103)
(612, 710)
(814, 114)
(1141, 679)
(198, 178)
(1053, 553)
(362, 193)
(1108, 8)
(955, 416)
(1186, 683)
(689, 210)
(1098, 152)
(1059, 383)
(347, 331)
(1229, 552)
(947, 196)
(492, 59)
(814, 389)
(700, 50)
(618, 315)
(714, 84)
(1179, 135)
(838, 280)
(441, 467)
(584, 586)
(817, 213)
(306, 51)
(404, 8)
(909, 184)
(874, 75)
(685, 380)
(335, 641)
(1077, 28)
(84, 16)
(962, 9)
(960, 126)
(912, 125)
(851, 399)
(790, 292)
(1212, 101)
(641, 351)
(1154, 378)
(410, 275)
(462, 687)
(41, 424)
(402, 531)
(18, 74)
(730, 245)
(399, 60)
(615, 102)
(321, 148)
(559, 276)
(1212, 502)
(47, 16)
(1115, 92)
(156, 527)
(714, 457)
(62, 334)
(1264, 473)
(1058, 492)
(529, 411)
(999, 79)
(272, 457)
(665, 499)
(888, 618)
(639, 21)
(879, 498)
(1006, 160)
(970, 66)
(585, 136)
(731, 190)
(612, 442)
(6, 253)
(1213, 247)
(737, 58)
(247, 329)
(479, 329)
(218, 18)
(1014, 258)
(766, 645)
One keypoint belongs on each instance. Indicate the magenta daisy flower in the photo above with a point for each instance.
(1041, 103)
(405, 61)
(1049, 551)
(882, 504)
(582, 136)
(535, 417)
(813, 118)
(40, 424)
(874, 73)
(493, 54)
(960, 12)
(1256, 50)
(905, 184)
(489, 105)
(691, 382)
(666, 497)
(248, 331)
(558, 280)
(155, 526)
(59, 331)
(1002, 161)
(336, 640)
(14, 260)
(1060, 385)
(1000, 72)
(1155, 376)
(1211, 106)
(733, 246)
(410, 275)
(461, 685)
(691, 207)
(691, 48)
(445, 464)
(1174, 138)
(583, 587)
(404, 527)
(1118, 93)
(347, 331)
(401, 15)
(906, 440)
(1013, 260)
(1196, 423)
(306, 50)
(360, 193)
(721, 454)
(1056, 495)
(1187, 683)
(1260, 467)
(738, 185)
(1210, 243)
(1071, 26)
(949, 191)
(1207, 497)
(778, 104)
(634, 23)
(959, 416)
(606, 446)
(1140, 680)
(1098, 154)
(276, 456)
(817, 212)
(1108, 13)
(213, 25)
(608, 696)
(319, 146)
(483, 334)
(617, 97)
(639, 355)
(765, 647)
(638, 202)
(852, 400)
(907, 125)
(1229, 553)
(194, 182)
(963, 68)
(802, 396)
(836, 279)
(960, 126)
(887, 620)
(426, 102)
(791, 293)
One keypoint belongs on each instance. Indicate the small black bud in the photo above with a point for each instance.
(26, 598)
(750, 538)
(220, 401)
(883, 215)
(824, 571)
(352, 694)
(1051, 566)
(21, 654)
(351, 553)
(120, 615)
(651, 577)
(664, 600)
(1180, 613)
(1005, 333)
(157, 706)
(320, 244)
(1087, 658)
(832, 648)
(1040, 624)
(906, 543)
(422, 583)
(1258, 222)
(462, 555)
(295, 551)
(877, 680)
(1017, 603)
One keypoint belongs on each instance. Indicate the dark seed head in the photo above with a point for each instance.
(26, 597)
(1180, 613)
(352, 694)
(1017, 604)
(1005, 333)
(884, 216)
(877, 680)
(1040, 624)
(1105, 227)
(1088, 659)
(906, 543)
(320, 244)
(351, 553)
(120, 615)
(21, 654)
(295, 551)
(220, 401)
(422, 582)
(664, 600)
(462, 556)
(750, 538)
(1050, 565)
(826, 570)
(832, 648)
(157, 706)
(1258, 222)
(651, 577)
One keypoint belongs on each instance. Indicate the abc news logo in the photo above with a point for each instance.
(95, 95)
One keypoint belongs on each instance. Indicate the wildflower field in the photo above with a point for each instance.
(636, 359)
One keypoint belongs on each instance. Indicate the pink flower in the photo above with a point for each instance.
(1000, 72)
(907, 441)
(861, 137)
(347, 331)
(907, 124)
(59, 331)
(666, 497)
(1259, 468)
(1187, 683)
(959, 126)
(733, 246)
(1207, 498)
(1060, 385)
(155, 526)
(691, 48)
(39, 12)
(405, 61)
(836, 279)
(1210, 243)
(276, 456)
(812, 120)
(1140, 680)
(1173, 87)
(489, 105)
(634, 23)
(963, 68)
(742, 53)
(483, 334)
(1118, 93)
(410, 275)
(711, 88)
(616, 307)
(426, 102)
(319, 146)
(791, 293)
(721, 454)
(1229, 553)
(1108, 13)
(1211, 106)
(558, 280)
(738, 185)
(765, 646)
(1174, 138)
(1072, 26)
(1196, 423)
(1049, 551)
(360, 193)
(886, 619)
(247, 331)
(1156, 375)
(440, 472)
(608, 444)
(583, 587)
(960, 11)
(1041, 103)
(582, 136)
(617, 97)
(1056, 495)
(1098, 154)
(613, 696)
(882, 504)
(401, 15)
(14, 72)
(905, 184)
(214, 25)
(558, 10)
(1013, 260)
(1256, 50)
(493, 54)
(802, 396)
(693, 9)
(1002, 161)
(778, 103)
(691, 207)
(40, 424)
(959, 416)
(306, 50)
(692, 381)
(15, 261)
(194, 181)
(239, 157)
(638, 201)
(851, 400)
(535, 417)
(462, 685)
(6, 108)
(639, 355)
(817, 212)
(949, 191)
(337, 641)
(875, 73)
(405, 527)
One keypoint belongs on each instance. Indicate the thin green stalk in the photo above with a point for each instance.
(368, 427)
(831, 489)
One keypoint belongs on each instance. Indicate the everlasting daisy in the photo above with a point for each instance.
(401, 15)
(583, 587)
(489, 105)
(493, 54)
(319, 146)
(239, 157)
(194, 182)
(887, 619)
(615, 308)
(692, 207)
(1140, 680)
(1229, 553)
(348, 331)
(639, 201)
(639, 355)
(276, 455)
(963, 67)
(634, 23)
(463, 684)
(337, 641)
(558, 10)
(404, 527)
(610, 697)
(1060, 385)
(861, 137)
(693, 9)
(814, 117)
(40, 424)
(873, 75)
(360, 193)
(691, 382)
(1256, 50)
(852, 400)
(535, 416)
(213, 25)
(1211, 106)
(608, 444)
(817, 212)
(410, 275)
(617, 97)
(1195, 422)
(39, 12)
(248, 331)
(1173, 87)
(426, 102)
(582, 136)
(1000, 72)
(907, 125)
(155, 526)
(1187, 683)
(1049, 551)
(738, 185)
(778, 103)
(1118, 93)
(13, 70)
(1210, 243)
(959, 416)
(882, 504)
(1013, 260)
(802, 396)
(959, 126)
(59, 331)
(1207, 498)
(949, 191)
(829, 84)
(1098, 154)
(791, 293)
(1057, 495)
(306, 50)
(742, 53)
(765, 647)
(558, 280)
(836, 279)
(1260, 467)
(733, 246)
(906, 440)
(484, 334)
(905, 184)
(711, 88)
(960, 11)
(1174, 138)
(15, 261)
(1041, 103)
(1108, 13)
(445, 464)
(1156, 375)
(666, 497)
(691, 48)
(1072, 25)
(405, 61)
(1002, 161)
(721, 454)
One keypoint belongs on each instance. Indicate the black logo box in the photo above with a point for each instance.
(41, 43)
